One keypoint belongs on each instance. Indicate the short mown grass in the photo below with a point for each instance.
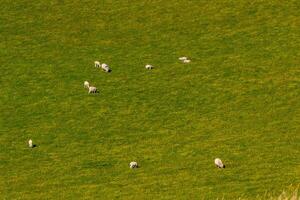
(238, 99)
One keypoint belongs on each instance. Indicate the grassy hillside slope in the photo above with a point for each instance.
(238, 99)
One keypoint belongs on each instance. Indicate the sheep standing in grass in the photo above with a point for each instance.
(30, 144)
(97, 64)
(92, 89)
(105, 67)
(183, 58)
(218, 163)
(133, 165)
(86, 84)
(149, 67)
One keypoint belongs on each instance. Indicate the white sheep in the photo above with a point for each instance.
(149, 67)
(133, 165)
(183, 58)
(218, 163)
(30, 144)
(86, 84)
(97, 64)
(186, 61)
(92, 89)
(105, 67)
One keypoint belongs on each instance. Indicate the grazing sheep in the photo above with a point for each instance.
(92, 89)
(97, 64)
(30, 144)
(105, 67)
(186, 61)
(218, 163)
(149, 67)
(133, 165)
(183, 58)
(86, 84)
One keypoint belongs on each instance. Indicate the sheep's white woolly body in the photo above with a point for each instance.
(183, 58)
(86, 84)
(30, 144)
(219, 163)
(92, 89)
(149, 67)
(133, 164)
(105, 67)
(97, 64)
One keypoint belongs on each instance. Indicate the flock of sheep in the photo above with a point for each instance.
(93, 89)
(106, 68)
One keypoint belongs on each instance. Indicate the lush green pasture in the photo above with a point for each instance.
(239, 98)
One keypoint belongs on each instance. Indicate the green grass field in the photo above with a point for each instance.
(239, 99)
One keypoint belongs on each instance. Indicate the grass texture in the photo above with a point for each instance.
(238, 99)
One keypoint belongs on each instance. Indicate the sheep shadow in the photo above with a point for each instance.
(33, 146)
(96, 92)
(107, 71)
